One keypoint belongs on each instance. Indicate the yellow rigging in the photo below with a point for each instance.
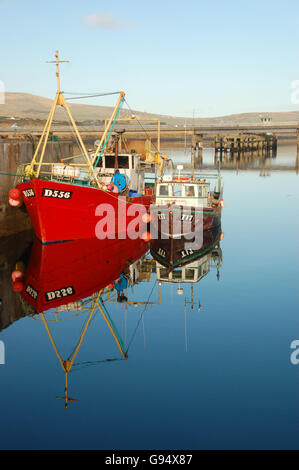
(67, 365)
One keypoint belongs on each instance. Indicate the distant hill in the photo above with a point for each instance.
(27, 106)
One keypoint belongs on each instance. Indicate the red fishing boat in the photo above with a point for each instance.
(102, 197)
(64, 273)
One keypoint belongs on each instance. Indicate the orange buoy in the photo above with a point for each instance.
(146, 236)
(17, 275)
(15, 202)
(15, 194)
(146, 218)
(18, 286)
(221, 236)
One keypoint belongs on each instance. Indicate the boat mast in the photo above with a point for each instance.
(57, 62)
(58, 101)
(68, 364)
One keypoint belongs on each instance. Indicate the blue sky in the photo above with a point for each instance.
(170, 57)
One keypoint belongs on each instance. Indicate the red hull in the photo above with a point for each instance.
(61, 273)
(61, 211)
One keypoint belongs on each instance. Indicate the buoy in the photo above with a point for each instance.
(17, 275)
(146, 236)
(222, 203)
(221, 236)
(146, 218)
(15, 194)
(18, 286)
(15, 202)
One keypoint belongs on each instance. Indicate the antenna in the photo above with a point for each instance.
(57, 62)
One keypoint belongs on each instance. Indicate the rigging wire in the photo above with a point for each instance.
(88, 95)
(146, 133)
(141, 317)
(83, 365)
(109, 133)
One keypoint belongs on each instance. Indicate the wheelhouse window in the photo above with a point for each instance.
(189, 274)
(177, 190)
(163, 190)
(163, 273)
(190, 190)
(122, 161)
(177, 274)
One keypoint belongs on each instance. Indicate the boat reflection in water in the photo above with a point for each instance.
(65, 273)
(175, 263)
(81, 278)
(70, 279)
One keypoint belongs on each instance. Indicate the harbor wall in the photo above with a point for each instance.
(14, 152)
(12, 248)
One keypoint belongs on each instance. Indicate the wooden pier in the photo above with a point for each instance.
(244, 147)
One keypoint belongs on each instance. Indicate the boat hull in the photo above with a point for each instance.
(182, 221)
(173, 252)
(61, 212)
(63, 273)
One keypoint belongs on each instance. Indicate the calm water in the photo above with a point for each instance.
(218, 377)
